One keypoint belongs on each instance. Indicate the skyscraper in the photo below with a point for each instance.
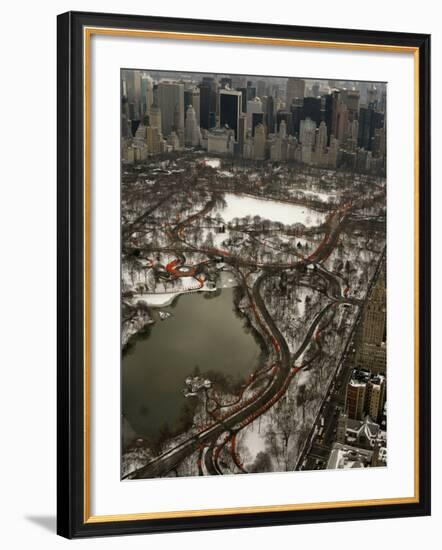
(192, 131)
(295, 89)
(242, 132)
(243, 99)
(171, 103)
(375, 397)
(257, 118)
(375, 314)
(351, 100)
(226, 82)
(311, 108)
(147, 93)
(253, 106)
(270, 114)
(230, 109)
(208, 102)
(195, 98)
(261, 89)
(288, 118)
(307, 132)
(259, 143)
(339, 117)
(155, 117)
(355, 399)
(251, 90)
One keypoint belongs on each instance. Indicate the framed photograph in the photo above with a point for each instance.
(243, 274)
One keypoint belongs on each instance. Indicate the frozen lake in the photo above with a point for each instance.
(203, 331)
(239, 206)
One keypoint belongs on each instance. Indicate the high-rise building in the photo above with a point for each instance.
(253, 106)
(355, 398)
(372, 357)
(296, 117)
(192, 133)
(365, 126)
(155, 117)
(295, 89)
(171, 103)
(146, 93)
(311, 108)
(261, 88)
(375, 397)
(351, 100)
(315, 89)
(226, 82)
(242, 135)
(174, 142)
(220, 141)
(133, 90)
(205, 92)
(192, 97)
(259, 143)
(155, 142)
(270, 114)
(371, 349)
(372, 95)
(257, 118)
(251, 90)
(321, 138)
(279, 148)
(285, 116)
(369, 121)
(339, 117)
(230, 109)
(341, 428)
(243, 99)
(321, 153)
(307, 132)
(375, 314)
(208, 102)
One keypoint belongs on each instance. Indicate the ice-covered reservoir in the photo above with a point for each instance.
(239, 206)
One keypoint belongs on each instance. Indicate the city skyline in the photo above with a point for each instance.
(326, 123)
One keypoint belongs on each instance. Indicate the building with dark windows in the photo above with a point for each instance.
(225, 82)
(251, 90)
(257, 118)
(287, 117)
(230, 110)
(243, 99)
(312, 109)
(270, 114)
(208, 102)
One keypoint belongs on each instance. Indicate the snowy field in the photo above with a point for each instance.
(286, 213)
(324, 197)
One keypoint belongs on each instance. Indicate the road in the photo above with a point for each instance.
(163, 464)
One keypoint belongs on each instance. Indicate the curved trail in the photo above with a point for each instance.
(236, 420)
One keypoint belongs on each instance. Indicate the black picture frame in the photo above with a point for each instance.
(72, 518)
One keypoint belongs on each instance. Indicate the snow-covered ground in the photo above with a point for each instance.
(214, 163)
(163, 299)
(158, 300)
(286, 213)
(325, 197)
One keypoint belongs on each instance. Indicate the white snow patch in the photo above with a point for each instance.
(158, 300)
(322, 196)
(287, 213)
(214, 163)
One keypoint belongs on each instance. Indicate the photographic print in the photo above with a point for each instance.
(253, 274)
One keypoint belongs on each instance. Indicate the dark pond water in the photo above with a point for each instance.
(202, 332)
